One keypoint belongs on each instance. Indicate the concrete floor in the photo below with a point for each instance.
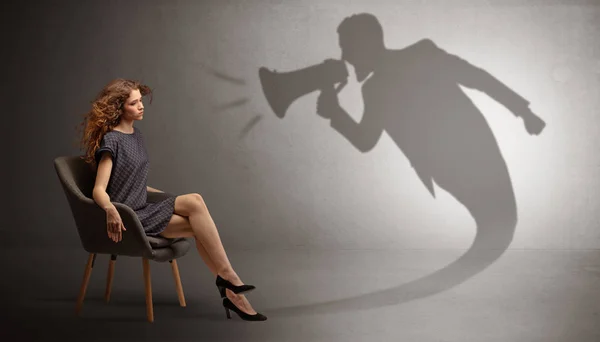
(309, 295)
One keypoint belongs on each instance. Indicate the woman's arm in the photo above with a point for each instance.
(102, 177)
(151, 189)
(114, 224)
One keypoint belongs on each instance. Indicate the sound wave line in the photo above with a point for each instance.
(235, 103)
(249, 126)
(224, 76)
(232, 104)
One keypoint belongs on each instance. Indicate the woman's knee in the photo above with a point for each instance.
(198, 202)
(189, 204)
(197, 198)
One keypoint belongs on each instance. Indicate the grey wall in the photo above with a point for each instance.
(295, 182)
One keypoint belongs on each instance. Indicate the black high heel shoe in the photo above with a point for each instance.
(223, 284)
(246, 317)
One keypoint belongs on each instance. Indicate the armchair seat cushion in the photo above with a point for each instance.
(161, 242)
(178, 248)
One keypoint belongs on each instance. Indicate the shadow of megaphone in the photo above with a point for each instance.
(281, 89)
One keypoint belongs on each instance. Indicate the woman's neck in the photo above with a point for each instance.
(125, 126)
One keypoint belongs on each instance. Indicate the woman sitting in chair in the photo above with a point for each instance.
(116, 149)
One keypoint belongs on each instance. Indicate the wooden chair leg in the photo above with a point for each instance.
(109, 278)
(178, 282)
(86, 280)
(148, 286)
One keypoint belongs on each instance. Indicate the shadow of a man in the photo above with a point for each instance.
(414, 95)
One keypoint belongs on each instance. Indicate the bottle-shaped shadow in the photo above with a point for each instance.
(414, 95)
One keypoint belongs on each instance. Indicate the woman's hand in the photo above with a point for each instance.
(114, 224)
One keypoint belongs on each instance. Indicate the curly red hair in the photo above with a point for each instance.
(106, 113)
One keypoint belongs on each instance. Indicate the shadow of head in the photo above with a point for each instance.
(361, 42)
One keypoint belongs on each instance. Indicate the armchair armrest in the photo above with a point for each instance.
(91, 225)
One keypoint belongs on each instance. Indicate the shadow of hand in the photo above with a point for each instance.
(327, 103)
(533, 123)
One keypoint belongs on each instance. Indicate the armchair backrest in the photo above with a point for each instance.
(77, 179)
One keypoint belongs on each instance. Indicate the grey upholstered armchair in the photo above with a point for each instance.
(77, 180)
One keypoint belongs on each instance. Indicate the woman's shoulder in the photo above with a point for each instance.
(111, 135)
(118, 137)
(112, 138)
(119, 134)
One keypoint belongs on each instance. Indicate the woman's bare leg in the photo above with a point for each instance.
(192, 219)
(204, 229)
(179, 226)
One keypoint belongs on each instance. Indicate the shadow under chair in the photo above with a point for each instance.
(77, 179)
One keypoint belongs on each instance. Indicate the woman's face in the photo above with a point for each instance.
(133, 109)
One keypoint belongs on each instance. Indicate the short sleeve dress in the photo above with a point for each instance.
(128, 179)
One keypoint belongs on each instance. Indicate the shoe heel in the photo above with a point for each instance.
(246, 317)
(222, 291)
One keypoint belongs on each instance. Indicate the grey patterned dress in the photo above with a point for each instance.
(128, 179)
